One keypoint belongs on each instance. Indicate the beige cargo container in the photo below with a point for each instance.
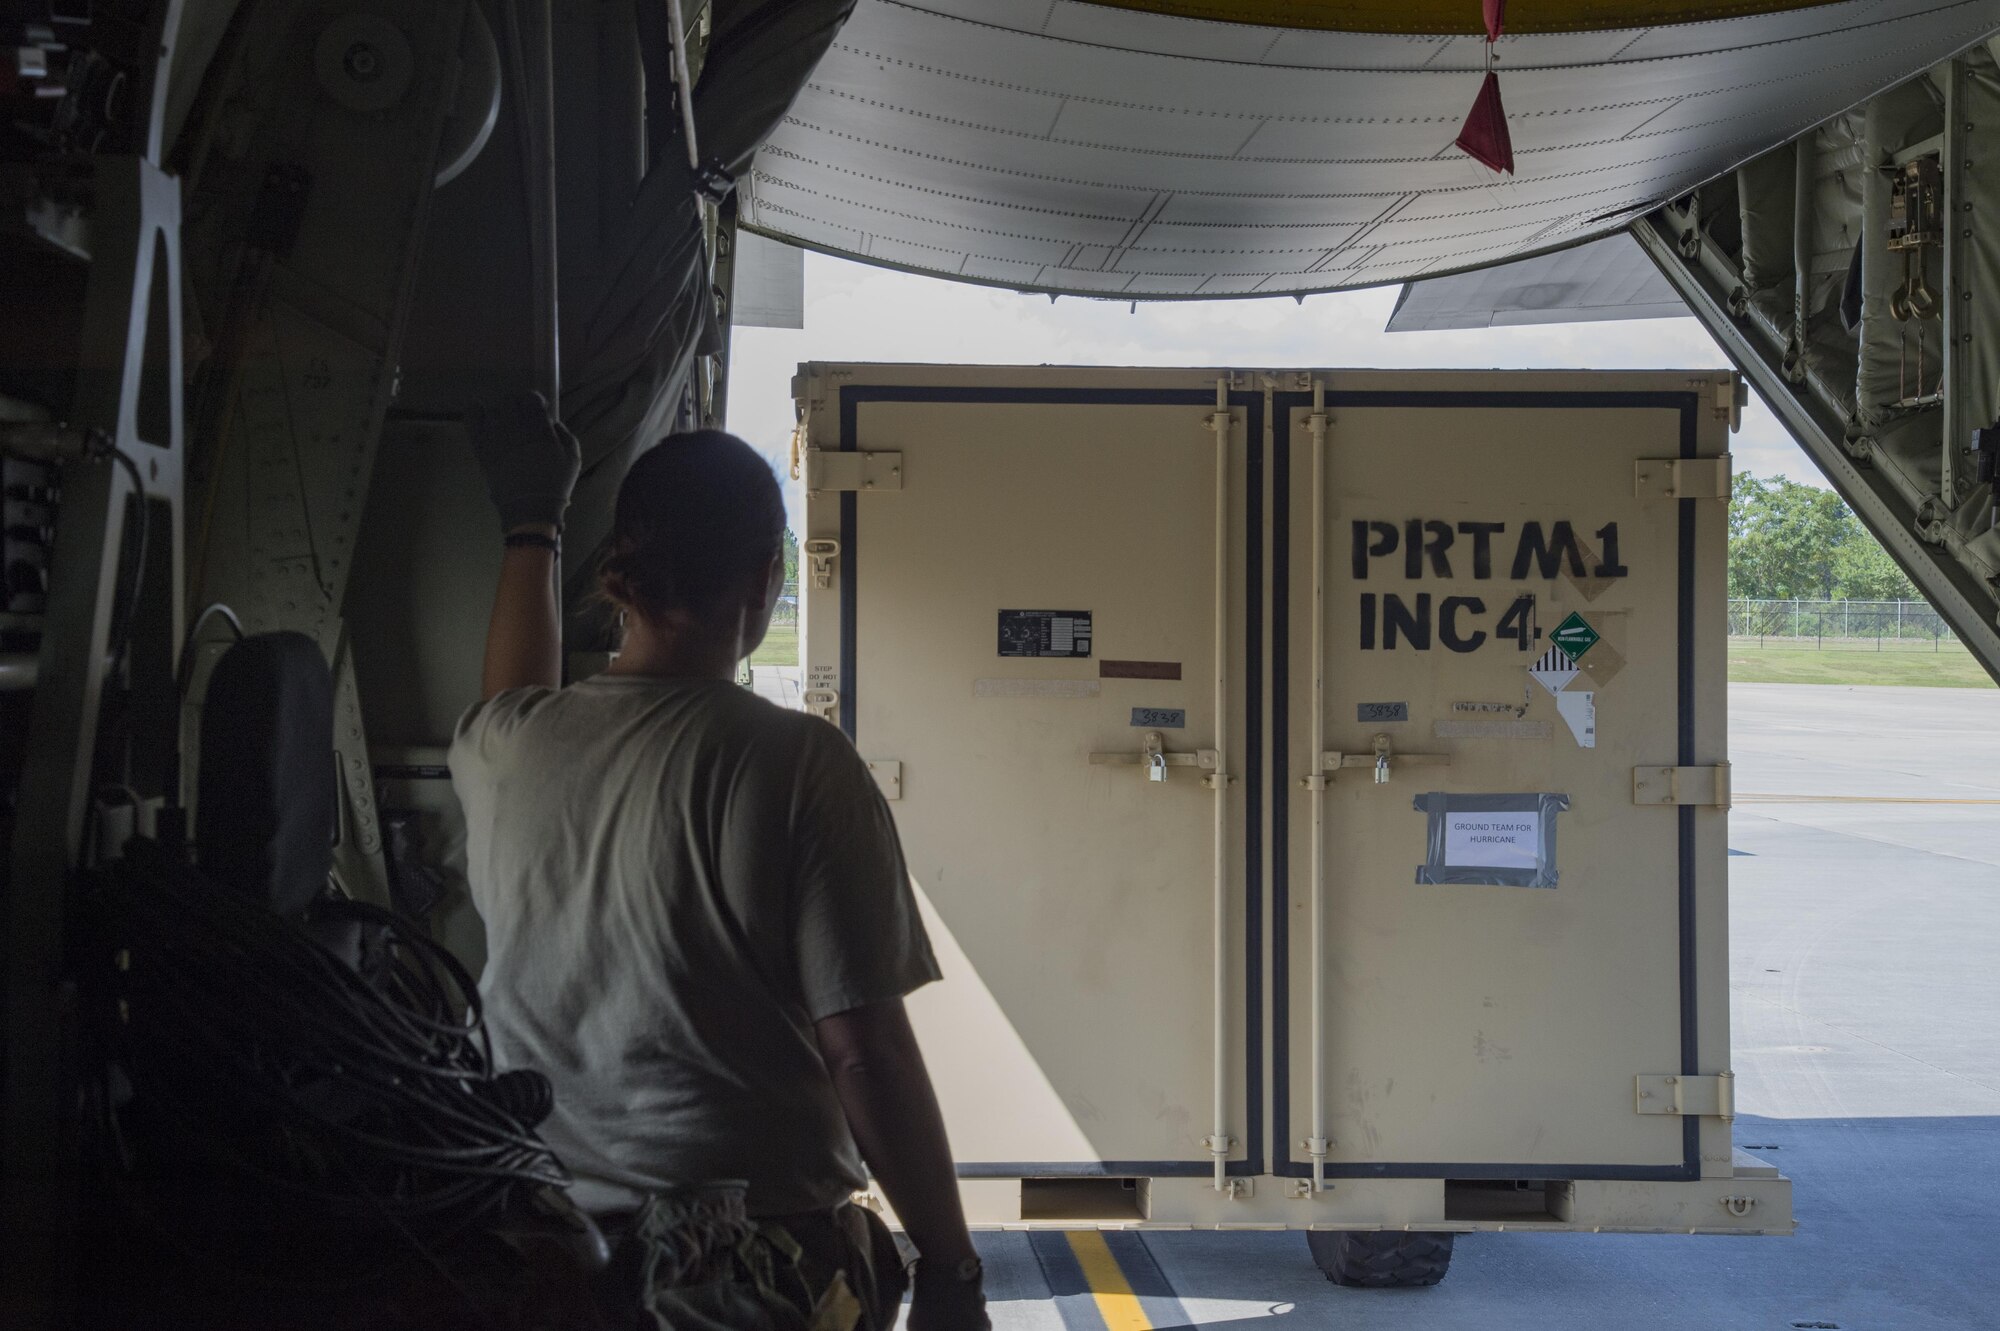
(1315, 782)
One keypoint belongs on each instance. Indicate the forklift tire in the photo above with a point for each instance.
(1380, 1259)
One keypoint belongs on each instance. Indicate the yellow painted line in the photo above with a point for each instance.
(1851, 799)
(1460, 16)
(1116, 1303)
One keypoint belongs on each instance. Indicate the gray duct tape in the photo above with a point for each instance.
(1498, 840)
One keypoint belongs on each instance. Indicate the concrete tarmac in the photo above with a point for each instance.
(1865, 977)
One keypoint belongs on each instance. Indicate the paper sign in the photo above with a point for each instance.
(1579, 709)
(1498, 839)
(1553, 670)
(1492, 840)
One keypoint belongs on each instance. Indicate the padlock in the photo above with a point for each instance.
(1156, 767)
(1382, 769)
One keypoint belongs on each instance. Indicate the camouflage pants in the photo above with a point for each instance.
(702, 1264)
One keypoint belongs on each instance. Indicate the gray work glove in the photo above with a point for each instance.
(530, 460)
(942, 1299)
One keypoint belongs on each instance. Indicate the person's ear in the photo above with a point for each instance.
(770, 584)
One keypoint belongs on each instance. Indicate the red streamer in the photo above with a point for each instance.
(1485, 138)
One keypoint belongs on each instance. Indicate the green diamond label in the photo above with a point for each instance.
(1575, 636)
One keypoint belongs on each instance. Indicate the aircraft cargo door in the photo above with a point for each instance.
(1503, 941)
(1015, 585)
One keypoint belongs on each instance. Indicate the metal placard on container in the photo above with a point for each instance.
(1059, 633)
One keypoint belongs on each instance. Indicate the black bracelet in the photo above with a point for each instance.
(517, 539)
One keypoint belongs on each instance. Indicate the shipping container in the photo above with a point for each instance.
(1315, 783)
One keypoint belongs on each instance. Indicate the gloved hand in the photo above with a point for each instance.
(530, 460)
(941, 1299)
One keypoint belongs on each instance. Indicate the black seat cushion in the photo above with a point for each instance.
(267, 808)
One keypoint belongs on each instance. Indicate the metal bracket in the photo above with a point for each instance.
(1154, 757)
(831, 471)
(819, 553)
(1682, 478)
(888, 774)
(1731, 396)
(1699, 1097)
(822, 703)
(1704, 786)
(1380, 757)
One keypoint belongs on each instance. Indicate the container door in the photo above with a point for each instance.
(1501, 947)
(1022, 640)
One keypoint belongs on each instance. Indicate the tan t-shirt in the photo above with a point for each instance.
(678, 879)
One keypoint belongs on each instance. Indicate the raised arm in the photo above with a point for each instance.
(531, 463)
(524, 636)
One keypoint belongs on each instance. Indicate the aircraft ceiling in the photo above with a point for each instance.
(1107, 150)
(1457, 15)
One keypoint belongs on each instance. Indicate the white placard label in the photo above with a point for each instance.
(1492, 840)
(1578, 708)
(1035, 688)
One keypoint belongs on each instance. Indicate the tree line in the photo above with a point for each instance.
(1789, 541)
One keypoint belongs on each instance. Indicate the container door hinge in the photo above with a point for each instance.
(833, 471)
(1731, 396)
(888, 774)
(1681, 478)
(1700, 1097)
(1704, 786)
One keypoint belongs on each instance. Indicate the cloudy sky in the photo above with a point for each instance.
(858, 313)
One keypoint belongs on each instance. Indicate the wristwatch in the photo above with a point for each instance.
(533, 538)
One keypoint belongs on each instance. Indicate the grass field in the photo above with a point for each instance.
(781, 646)
(1952, 667)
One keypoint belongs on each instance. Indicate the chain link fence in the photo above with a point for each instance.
(1866, 626)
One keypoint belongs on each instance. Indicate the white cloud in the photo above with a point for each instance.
(858, 313)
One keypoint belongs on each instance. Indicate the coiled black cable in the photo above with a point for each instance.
(311, 1097)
